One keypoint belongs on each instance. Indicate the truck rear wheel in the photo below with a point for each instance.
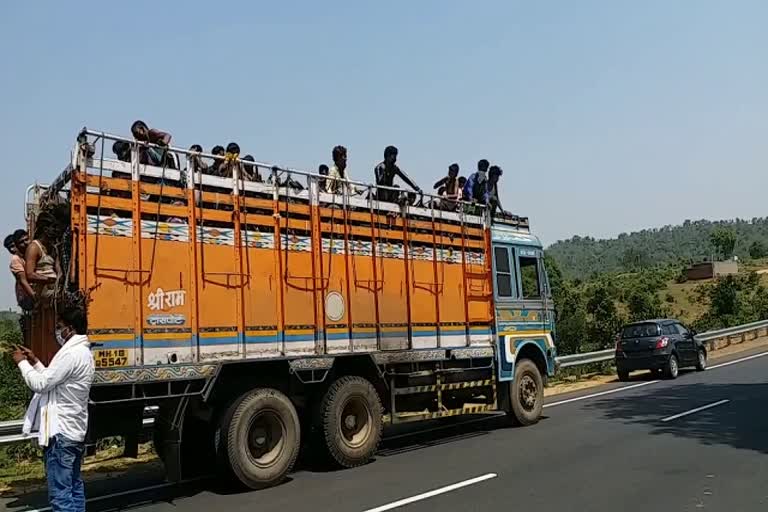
(259, 438)
(526, 393)
(350, 421)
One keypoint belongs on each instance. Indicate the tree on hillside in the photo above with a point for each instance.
(733, 300)
(758, 250)
(571, 315)
(645, 305)
(605, 320)
(635, 259)
(724, 241)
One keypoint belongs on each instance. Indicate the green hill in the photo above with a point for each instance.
(582, 257)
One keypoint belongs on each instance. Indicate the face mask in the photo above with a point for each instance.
(60, 337)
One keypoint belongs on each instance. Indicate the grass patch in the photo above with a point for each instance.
(108, 462)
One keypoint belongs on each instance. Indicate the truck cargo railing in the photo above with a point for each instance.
(90, 155)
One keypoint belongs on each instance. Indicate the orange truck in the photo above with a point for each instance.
(261, 316)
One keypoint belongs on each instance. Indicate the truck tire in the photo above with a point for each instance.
(350, 421)
(526, 394)
(258, 438)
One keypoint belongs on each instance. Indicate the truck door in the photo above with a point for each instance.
(532, 291)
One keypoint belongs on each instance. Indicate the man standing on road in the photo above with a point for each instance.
(58, 412)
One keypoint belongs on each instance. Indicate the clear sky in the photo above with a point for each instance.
(606, 116)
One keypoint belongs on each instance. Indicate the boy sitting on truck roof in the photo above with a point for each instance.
(153, 155)
(448, 188)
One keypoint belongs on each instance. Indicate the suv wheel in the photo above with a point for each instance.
(673, 367)
(701, 362)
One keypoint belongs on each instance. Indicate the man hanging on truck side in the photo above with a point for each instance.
(16, 244)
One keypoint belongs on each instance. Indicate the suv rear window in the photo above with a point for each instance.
(640, 331)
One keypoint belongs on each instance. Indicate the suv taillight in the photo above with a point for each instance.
(662, 342)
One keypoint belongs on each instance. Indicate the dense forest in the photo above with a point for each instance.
(583, 257)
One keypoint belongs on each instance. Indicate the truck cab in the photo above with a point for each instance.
(523, 306)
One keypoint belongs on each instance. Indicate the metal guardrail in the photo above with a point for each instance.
(608, 354)
(10, 431)
(586, 358)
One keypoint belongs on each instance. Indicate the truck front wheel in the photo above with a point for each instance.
(526, 393)
(259, 438)
(350, 421)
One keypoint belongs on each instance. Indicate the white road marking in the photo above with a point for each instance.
(641, 384)
(693, 411)
(602, 393)
(430, 494)
(729, 363)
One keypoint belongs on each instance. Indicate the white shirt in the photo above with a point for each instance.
(334, 181)
(65, 384)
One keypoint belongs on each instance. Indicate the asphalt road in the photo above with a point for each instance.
(697, 443)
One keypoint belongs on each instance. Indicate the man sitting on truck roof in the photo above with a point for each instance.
(337, 172)
(153, 155)
(218, 163)
(251, 171)
(448, 188)
(323, 171)
(476, 186)
(196, 163)
(231, 157)
(492, 190)
(122, 150)
(386, 172)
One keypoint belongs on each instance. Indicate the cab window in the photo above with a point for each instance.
(529, 278)
(504, 281)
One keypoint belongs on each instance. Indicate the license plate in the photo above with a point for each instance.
(113, 358)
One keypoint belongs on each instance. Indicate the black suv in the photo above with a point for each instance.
(658, 345)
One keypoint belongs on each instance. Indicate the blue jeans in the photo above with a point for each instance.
(63, 459)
